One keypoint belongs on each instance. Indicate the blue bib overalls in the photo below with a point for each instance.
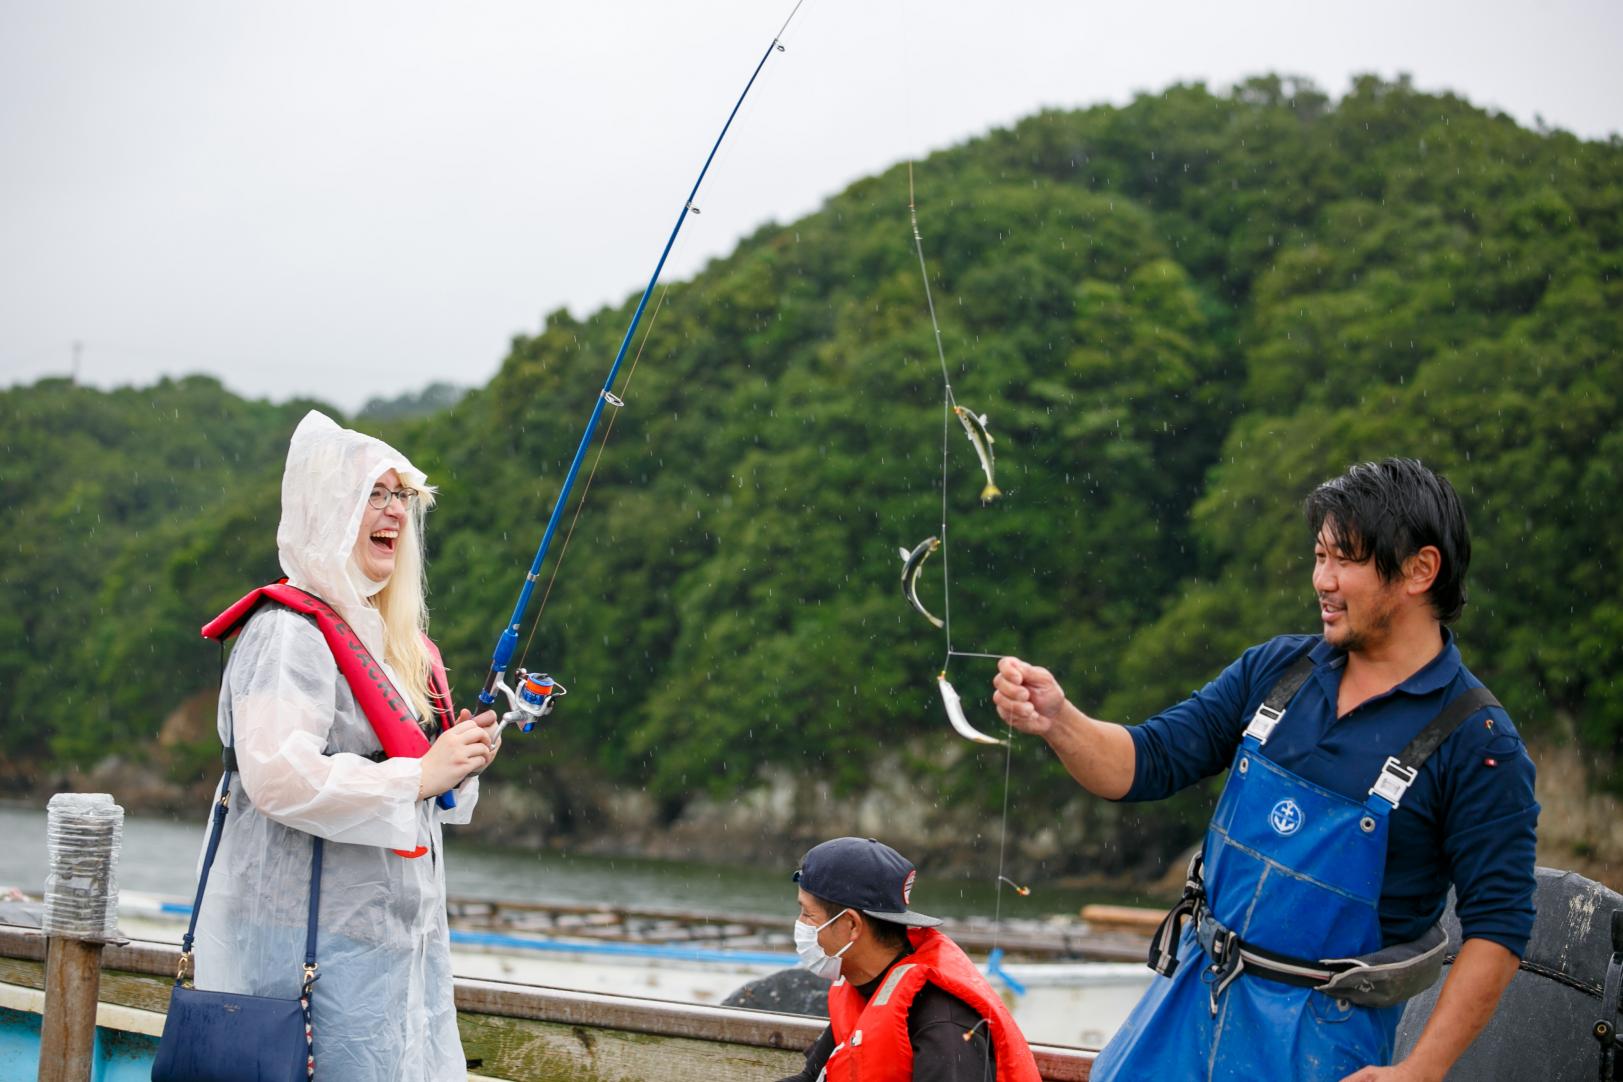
(1290, 868)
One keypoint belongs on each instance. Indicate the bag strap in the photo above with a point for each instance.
(221, 808)
(315, 906)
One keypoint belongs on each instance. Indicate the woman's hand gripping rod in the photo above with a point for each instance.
(531, 702)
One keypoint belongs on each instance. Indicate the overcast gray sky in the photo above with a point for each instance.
(359, 198)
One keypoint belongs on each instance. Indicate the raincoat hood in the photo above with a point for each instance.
(330, 472)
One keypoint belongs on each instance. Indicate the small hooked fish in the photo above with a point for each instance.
(1024, 892)
(981, 440)
(955, 714)
(911, 563)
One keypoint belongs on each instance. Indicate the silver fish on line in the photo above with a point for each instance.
(911, 563)
(980, 439)
(955, 714)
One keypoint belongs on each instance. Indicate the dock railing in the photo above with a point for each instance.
(528, 1032)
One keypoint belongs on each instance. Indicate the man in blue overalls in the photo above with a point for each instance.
(1368, 770)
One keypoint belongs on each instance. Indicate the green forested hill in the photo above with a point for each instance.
(117, 505)
(1178, 316)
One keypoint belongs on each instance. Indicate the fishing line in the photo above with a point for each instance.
(724, 184)
(1002, 842)
(790, 19)
(949, 404)
(946, 412)
(739, 122)
(580, 505)
(536, 694)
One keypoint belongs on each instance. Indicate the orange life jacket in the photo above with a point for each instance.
(870, 1035)
(385, 708)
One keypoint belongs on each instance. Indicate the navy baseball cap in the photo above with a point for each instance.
(865, 874)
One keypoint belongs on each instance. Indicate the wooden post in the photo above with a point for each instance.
(83, 832)
(67, 1036)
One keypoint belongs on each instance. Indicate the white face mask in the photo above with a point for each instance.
(812, 957)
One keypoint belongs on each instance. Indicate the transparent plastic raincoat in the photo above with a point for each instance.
(382, 1008)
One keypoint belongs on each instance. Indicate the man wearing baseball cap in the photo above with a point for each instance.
(906, 1005)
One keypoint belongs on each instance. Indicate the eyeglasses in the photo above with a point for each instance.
(381, 496)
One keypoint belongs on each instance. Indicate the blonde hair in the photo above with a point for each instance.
(403, 605)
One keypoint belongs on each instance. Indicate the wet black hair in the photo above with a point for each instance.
(1389, 511)
(887, 933)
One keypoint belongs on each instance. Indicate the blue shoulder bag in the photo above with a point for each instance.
(225, 1037)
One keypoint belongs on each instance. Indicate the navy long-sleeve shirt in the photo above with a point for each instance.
(1468, 818)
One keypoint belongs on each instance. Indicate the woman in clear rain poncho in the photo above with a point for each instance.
(351, 534)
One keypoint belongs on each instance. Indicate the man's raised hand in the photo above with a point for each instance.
(1027, 697)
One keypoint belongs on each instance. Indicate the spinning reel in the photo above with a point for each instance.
(531, 701)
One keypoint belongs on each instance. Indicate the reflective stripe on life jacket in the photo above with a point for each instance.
(871, 1034)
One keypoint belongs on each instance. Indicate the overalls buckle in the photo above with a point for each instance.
(1227, 963)
(1394, 781)
(1263, 723)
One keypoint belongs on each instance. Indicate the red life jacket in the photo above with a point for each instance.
(385, 708)
(870, 1035)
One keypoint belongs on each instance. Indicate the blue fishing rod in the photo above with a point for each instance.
(535, 694)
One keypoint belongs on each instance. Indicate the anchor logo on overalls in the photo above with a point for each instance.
(1286, 818)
